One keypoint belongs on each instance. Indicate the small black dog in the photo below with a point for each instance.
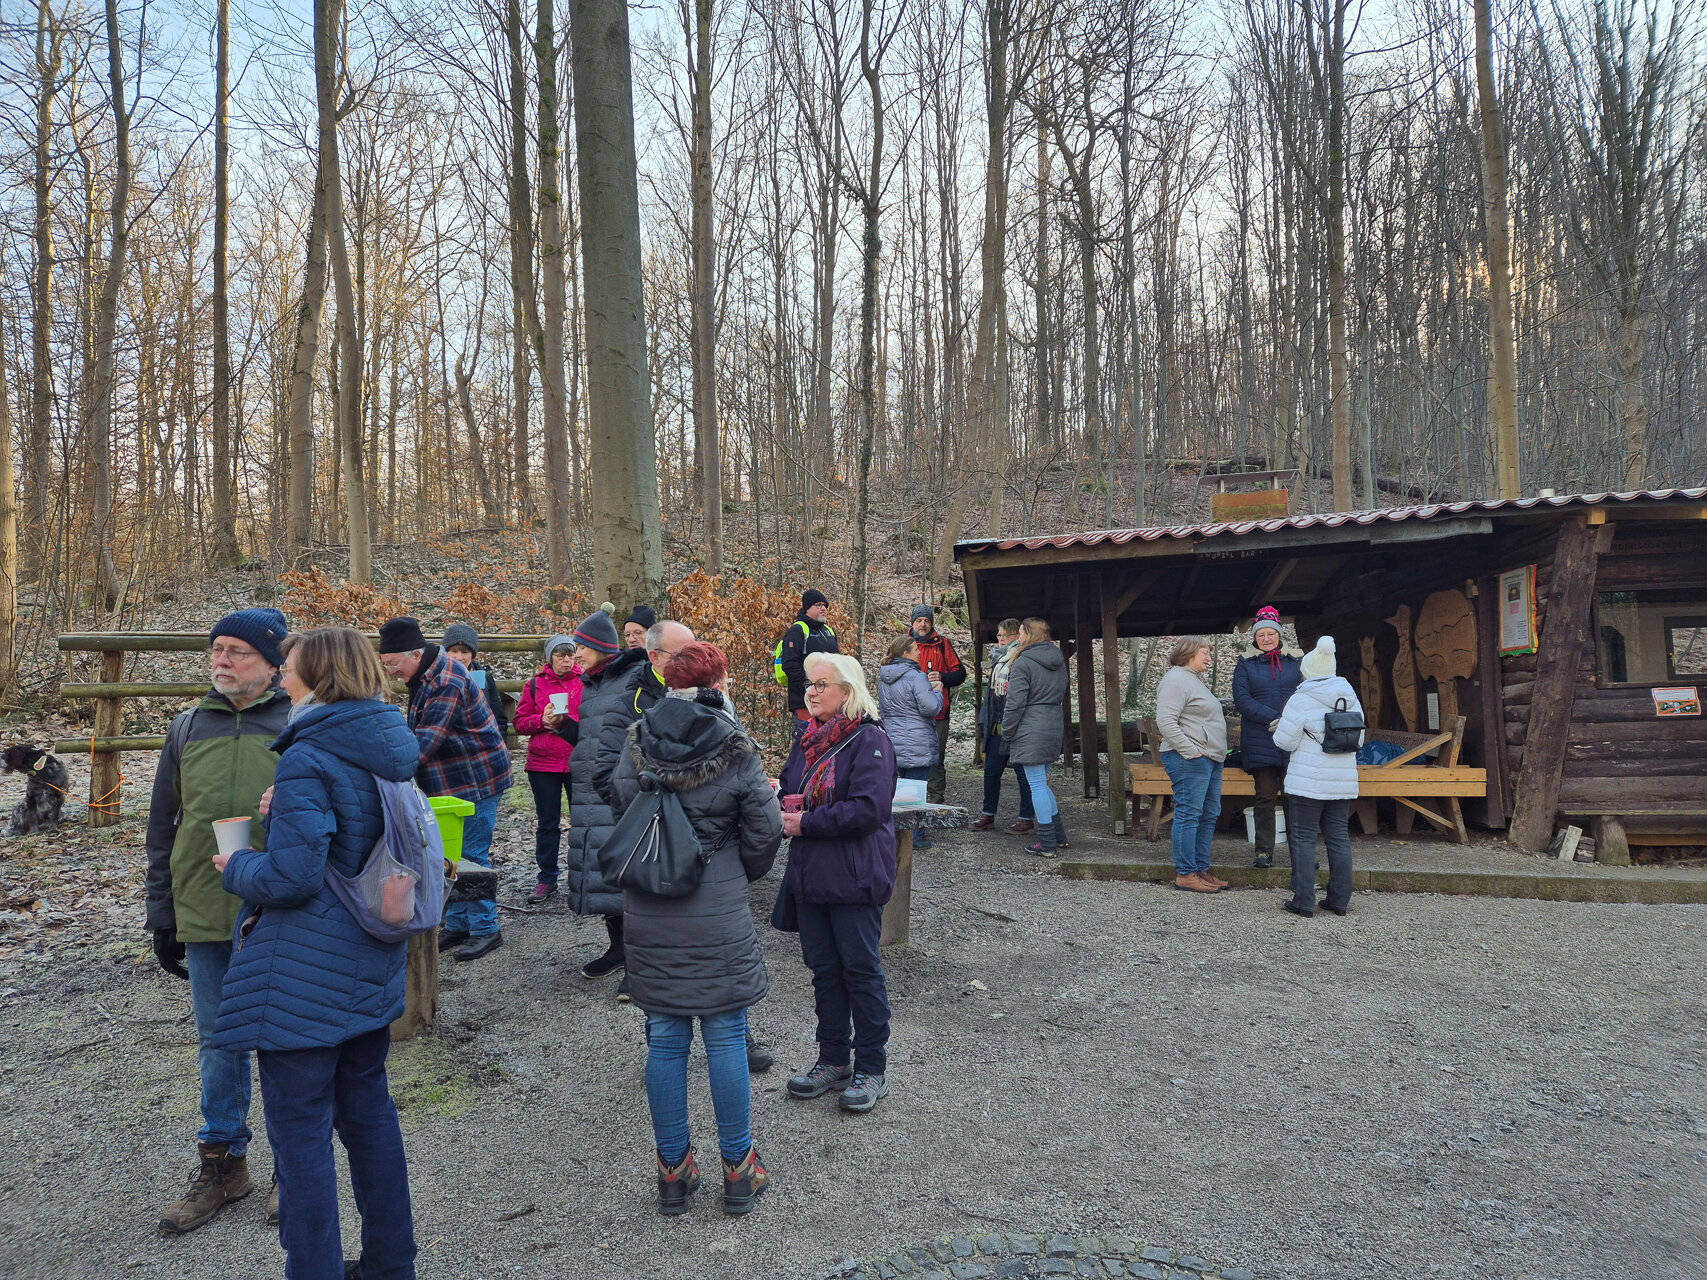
(44, 788)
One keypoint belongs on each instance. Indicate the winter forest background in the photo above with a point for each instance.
(913, 270)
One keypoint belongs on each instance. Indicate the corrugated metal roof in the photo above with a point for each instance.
(1331, 520)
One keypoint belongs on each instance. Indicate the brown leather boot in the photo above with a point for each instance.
(1194, 883)
(221, 1179)
(1023, 827)
(1214, 879)
(983, 822)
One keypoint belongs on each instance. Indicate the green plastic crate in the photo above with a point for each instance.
(451, 813)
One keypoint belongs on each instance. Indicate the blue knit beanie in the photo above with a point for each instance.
(598, 632)
(263, 630)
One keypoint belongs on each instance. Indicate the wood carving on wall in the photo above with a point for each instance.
(1369, 682)
(1446, 646)
(1405, 669)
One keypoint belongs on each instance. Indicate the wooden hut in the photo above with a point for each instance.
(1570, 632)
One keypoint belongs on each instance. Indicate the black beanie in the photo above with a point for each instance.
(811, 597)
(401, 635)
(644, 615)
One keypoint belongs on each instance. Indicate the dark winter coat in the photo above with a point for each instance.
(804, 636)
(996, 698)
(1259, 694)
(845, 852)
(699, 955)
(304, 974)
(607, 709)
(909, 706)
(1031, 720)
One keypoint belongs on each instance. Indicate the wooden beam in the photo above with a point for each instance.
(1111, 701)
(1601, 515)
(1564, 637)
(1489, 678)
(1276, 579)
(1092, 779)
(1145, 581)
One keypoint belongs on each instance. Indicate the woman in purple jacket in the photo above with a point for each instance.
(838, 791)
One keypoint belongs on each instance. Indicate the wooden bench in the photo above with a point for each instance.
(1409, 786)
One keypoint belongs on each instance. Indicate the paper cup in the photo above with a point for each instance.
(232, 834)
(559, 704)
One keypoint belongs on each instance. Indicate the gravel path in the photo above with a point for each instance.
(1428, 1087)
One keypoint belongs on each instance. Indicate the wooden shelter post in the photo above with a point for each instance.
(1111, 701)
(1564, 634)
(1087, 693)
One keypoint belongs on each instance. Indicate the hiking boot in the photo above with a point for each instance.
(676, 1185)
(1021, 827)
(485, 944)
(822, 1079)
(1262, 860)
(614, 957)
(1040, 849)
(273, 1202)
(744, 1183)
(1194, 883)
(1060, 832)
(221, 1179)
(541, 891)
(862, 1094)
(450, 939)
(622, 996)
(1207, 875)
(759, 1058)
(983, 822)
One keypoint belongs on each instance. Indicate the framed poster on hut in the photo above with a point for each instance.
(1517, 612)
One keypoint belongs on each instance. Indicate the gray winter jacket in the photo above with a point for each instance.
(607, 709)
(909, 707)
(1031, 720)
(699, 955)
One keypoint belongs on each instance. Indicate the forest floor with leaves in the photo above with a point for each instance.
(1428, 1087)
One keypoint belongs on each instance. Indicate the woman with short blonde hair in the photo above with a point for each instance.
(839, 668)
(1194, 748)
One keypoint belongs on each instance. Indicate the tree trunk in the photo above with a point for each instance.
(1338, 389)
(628, 562)
(708, 453)
(524, 316)
(1502, 339)
(106, 324)
(8, 533)
(299, 502)
(225, 549)
(349, 394)
(555, 425)
(869, 61)
(37, 453)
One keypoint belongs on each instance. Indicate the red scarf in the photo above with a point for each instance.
(819, 744)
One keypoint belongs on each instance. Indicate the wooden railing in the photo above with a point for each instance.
(106, 740)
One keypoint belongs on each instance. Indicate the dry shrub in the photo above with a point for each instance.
(314, 600)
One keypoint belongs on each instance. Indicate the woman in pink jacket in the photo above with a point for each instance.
(551, 736)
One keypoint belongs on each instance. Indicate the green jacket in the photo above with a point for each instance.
(217, 762)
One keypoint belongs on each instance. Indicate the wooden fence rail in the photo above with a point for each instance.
(106, 740)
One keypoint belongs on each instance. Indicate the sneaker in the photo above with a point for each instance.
(759, 1058)
(822, 1079)
(676, 1185)
(744, 1183)
(1262, 860)
(863, 1093)
(450, 939)
(622, 996)
(1210, 877)
(1040, 849)
(1194, 883)
(613, 959)
(485, 944)
(221, 1179)
(541, 891)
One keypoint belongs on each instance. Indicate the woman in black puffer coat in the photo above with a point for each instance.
(698, 956)
(1267, 675)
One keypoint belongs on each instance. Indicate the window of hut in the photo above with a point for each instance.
(1651, 637)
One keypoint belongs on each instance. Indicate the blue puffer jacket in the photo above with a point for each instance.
(304, 974)
(909, 708)
(1261, 686)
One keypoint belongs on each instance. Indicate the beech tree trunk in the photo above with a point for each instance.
(299, 499)
(628, 565)
(555, 427)
(106, 324)
(1502, 338)
(524, 315)
(8, 532)
(225, 549)
(708, 452)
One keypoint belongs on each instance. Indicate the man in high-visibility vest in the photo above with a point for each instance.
(808, 633)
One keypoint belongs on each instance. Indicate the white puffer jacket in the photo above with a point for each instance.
(1311, 773)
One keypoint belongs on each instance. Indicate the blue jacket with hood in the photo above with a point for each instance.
(304, 974)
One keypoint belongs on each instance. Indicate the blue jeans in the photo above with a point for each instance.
(548, 792)
(1197, 803)
(995, 765)
(1042, 798)
(921, 773)
(1332, 818)
(477, 919)
(839, 945)
(306, 1094)
(668, 1039)
(225, 1075)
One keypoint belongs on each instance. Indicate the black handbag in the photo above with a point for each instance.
(654, 849)
(1342, 730)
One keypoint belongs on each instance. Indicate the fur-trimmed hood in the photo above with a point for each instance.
(687, 744)
(1286, 650)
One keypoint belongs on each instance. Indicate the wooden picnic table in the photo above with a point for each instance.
(897, 915)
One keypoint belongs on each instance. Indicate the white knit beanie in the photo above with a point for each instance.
(1320, 661)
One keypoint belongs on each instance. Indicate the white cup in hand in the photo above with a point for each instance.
(559, 704)
(231, 834)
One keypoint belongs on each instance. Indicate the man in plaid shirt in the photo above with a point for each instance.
(462, 755)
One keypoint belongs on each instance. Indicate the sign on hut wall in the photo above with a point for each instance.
(1684, 701)
(1517, 612)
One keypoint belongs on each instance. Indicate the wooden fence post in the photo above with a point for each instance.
(104, 773)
